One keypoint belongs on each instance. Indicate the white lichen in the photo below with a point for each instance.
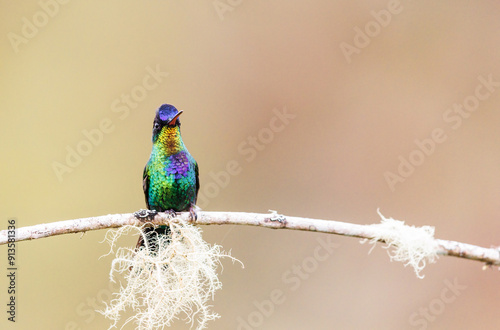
(175, 280)
(414, 246)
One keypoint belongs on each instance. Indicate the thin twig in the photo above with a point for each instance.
(490, 256)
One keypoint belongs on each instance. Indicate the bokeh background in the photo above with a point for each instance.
(230, 65)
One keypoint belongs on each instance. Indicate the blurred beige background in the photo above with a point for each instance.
(228, 64)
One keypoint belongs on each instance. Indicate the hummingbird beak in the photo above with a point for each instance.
(172, 122)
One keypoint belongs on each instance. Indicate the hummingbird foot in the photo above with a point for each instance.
(144, 215)
(170, 213)
(193, 211)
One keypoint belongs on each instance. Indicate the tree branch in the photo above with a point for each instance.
(490, 256)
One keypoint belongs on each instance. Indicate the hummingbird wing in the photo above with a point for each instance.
(145, 184)
(197, 174)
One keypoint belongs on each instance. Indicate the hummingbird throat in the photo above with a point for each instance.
(170, 140)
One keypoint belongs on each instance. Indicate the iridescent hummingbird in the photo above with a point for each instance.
(170, 179)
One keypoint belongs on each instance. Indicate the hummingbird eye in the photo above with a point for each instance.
(156, 126)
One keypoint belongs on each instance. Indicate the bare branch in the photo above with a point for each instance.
(490, 256)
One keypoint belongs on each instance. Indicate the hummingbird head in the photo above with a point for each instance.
(166, 115)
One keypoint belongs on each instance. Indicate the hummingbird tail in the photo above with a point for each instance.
(151, 234)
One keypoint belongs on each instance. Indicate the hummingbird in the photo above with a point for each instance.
(171, 177)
